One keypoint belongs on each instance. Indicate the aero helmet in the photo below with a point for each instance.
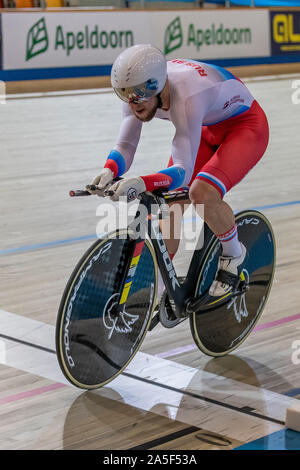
(139, 73)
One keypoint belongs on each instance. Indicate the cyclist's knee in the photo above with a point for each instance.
(204, 193)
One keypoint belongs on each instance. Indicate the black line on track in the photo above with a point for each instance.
(244, 409)
(169, 437)
(26, 343)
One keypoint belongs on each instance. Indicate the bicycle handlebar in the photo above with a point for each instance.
(172, 195)
(92, 187)
(79, 192)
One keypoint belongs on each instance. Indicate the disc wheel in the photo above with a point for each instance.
(95, 340)
(218, 332)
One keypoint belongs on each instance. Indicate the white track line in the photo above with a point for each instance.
(51, 94)
(149, 397)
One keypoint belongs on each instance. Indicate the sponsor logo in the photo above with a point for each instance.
(243, 334)
(40, 41)
(173, 36)
(66, 333)
(195, 66)
(120, 322)
(239, 303)
(161, 183)
(215, 35)
(285, 32)
(37, 39)
(249, 327)
(235, 99)
(252, 221)
(131, 194)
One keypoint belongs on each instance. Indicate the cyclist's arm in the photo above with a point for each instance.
(121, 156)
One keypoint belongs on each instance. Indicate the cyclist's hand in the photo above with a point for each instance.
(130, 188)
(102, 181)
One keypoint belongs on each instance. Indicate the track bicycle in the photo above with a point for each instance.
(109, 302)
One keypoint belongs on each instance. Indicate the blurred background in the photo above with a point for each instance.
(71, 44)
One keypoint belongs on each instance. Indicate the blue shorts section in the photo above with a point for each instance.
(177, 174)
(286, 439)
(120, 161)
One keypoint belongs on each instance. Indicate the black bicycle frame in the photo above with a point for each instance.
(180, 293)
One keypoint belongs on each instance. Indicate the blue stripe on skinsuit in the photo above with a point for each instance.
(120, 161)
(239, 111)
(177, 174)
(223, 72)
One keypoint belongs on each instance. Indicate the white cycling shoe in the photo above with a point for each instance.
(227, 276)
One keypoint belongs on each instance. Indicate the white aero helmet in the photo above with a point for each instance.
(139, 73)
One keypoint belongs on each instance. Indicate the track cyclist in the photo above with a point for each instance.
(221, 132)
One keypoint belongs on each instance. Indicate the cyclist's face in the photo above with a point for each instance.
(145, 110)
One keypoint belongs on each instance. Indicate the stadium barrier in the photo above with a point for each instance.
(63, 45)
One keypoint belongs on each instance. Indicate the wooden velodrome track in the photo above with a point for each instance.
(180, 399)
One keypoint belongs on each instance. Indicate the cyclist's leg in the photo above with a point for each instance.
(171, 225)
(241, 146)
(243, 141)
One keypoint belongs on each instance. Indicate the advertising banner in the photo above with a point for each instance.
(212, 34)
(285, 32)
(79, 39)
(37, 40)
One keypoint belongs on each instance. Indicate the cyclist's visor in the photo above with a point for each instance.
(137, 93)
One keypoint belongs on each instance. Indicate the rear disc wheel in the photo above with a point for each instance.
(219, 331)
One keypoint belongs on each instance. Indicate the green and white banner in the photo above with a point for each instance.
(38, 40)
(76, 39)
(213, 34)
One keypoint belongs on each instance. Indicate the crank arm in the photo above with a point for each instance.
(196, 305)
